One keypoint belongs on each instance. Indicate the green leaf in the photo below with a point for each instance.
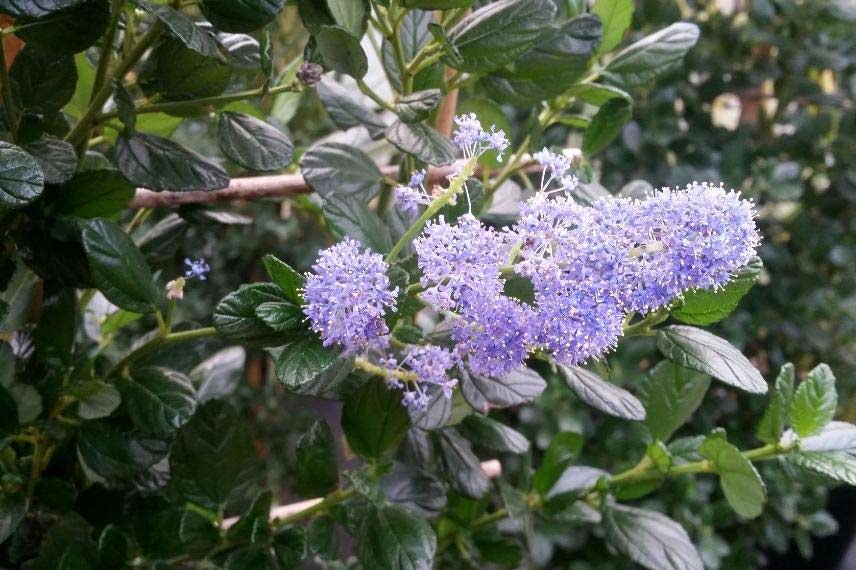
(180, 74)
(574, 479)
(252, 143)
(67, 546)
(597, 94)
(113, 547)
(775, 418)
(157, 163)
(302, 361)
(337, 167)
(95, 194)
(418, 106)
(321, 538)
(159, 400)
(350, 216)
(814, 402)
(218, 375)
(703, 351)
(18, 8)
(671, 395)
(495, 34)
(563, 449)
(182, 27)
(42, 82)
(281, 316)
(253, 526)
(838, 466)
(707, 306)
(341, 51)
(422, 141)
(392, 537)
(352, 15)
(643, 61)
(57, 326)
(438, 414)
(213, 458)
(346, 109)
(649, 538)
(56, 158)
(602, 395)
(287, 279)
(437, 4)
(96, 399)
(13, 507)
(113, 454)
(8, 412)
(743, 487)
(241, 15)
(835, 436)
(119, 269)
(494, 435)
(22, 180)
(605, 125)
(317, 471)
(374, 419)
(29, 401)
(17, 298)
(235, 315)
(616, 16)
(414, 35)
(519, 386)
(459, 464)
(61, 31)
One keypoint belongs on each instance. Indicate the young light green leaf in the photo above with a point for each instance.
(707, 306)
(606, 124)
(814, 402)
(616, 16)
(838, 466)
(290, 281)
(775, 417)
(743, 487)
(835, 436)
(703, 351)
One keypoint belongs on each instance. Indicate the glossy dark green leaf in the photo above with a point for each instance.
(159, 400)
(341, 51)
(181, 27)
(519, 386)
(38, 9)
(42, 82)
(392, 537)
(603, 395)
(303, 360)
(605, 125)
(113, 454)
(55, 157)
(641, 62)
(287, 279)
(418, 106)
(235, 315)
(213, 457)
(564, 448)
(616, 16)
(317, 472)
(436, 415)
(703, 351)
(94, 194)
(321, 538)
(241, 15)
(113, 547)
(650, 539)
(775, 418)
(346, 110)
(61, 30)
(253, 143)
(561, 55)
(415, 489)
(157, 163)
(119, 269)
(373, 419)
(350, 216)
(8, 412)
(743, 487)
(414, 34)
(422, 141)
(671, 394)
(492, 434)
(497, 33)
(22, 180)
(814, 402)
(281, 316)
(66, 546)
(57, 326)
(13, 507)
(460, 465)
(597, 94)
(253, 526)
(96, 399)
(340, 168)
(707, 306)
(437, 4)
(180, 73)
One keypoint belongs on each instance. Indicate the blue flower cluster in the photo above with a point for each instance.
(590, 267)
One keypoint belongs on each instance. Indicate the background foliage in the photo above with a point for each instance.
(127, 440)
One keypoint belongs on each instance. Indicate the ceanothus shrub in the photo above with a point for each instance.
(439, 320)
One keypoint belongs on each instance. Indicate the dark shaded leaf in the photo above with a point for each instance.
(281, 316)
(181, 73)
(113, 454)
(373, 419)
(253, 143)
(22, 180)
(235, 315)
(302, 361)
(460, 465)
(519, 386)
(317, 471)
(346, 110)
(563, 449)
(241, 15)
(159, 400)
(287, 279)
(55, 157)
(38, 9)
(641, 62)
(350, 216)
(605, 125)
(418, 106)
(421, 141)
(340, 168)
(603, 395)
(94, 194)
(42, 82)
(180, 26)
(341, 51)
(62, 31)
(391, 537)
(671, 394)
(489, 433)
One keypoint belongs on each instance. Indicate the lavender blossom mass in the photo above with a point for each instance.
(347, 296)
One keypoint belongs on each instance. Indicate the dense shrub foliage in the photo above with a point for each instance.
(489, 342)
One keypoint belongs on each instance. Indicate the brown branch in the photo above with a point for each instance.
(258, 187)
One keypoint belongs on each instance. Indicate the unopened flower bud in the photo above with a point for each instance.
(175, 289)
(309, 73)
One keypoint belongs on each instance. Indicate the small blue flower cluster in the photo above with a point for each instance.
(198, 268)
(348, 295)
(473, 140)
(590, 266)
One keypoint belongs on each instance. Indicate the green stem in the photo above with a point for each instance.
(8, 100)
(456, 187)
(107, 48)
(156, 342)
(333, 498)
(80, 132)
(374, 96)
(644, 326)
(367, 366)
(193, 334)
